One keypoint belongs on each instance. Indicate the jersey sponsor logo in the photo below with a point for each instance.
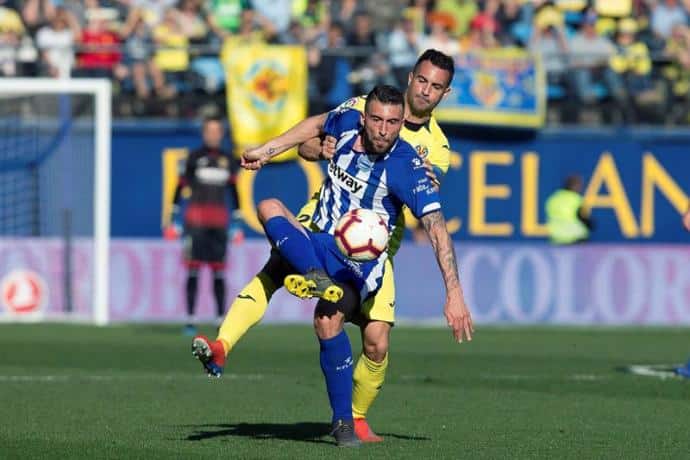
(417, 163)
(23, 292)
(212, 176)
(345, 180)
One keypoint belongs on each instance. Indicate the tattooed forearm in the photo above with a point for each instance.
(435, 226)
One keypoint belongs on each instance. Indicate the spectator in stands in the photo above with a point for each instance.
(342, 11)
(153, 11)
(275, 12)
(439, 38)
(37, 13)
(589, 56)
(677, 72)
(482, 34)
(11, 31)
(417, 11)
(328, 73)
(368, 63)
(56, 42)
(629, 76)
(665, 15)
(192, 24)
(362, 36)
(172, 55)
(508, 16)
(225, 16)
(312, 16)
(460, 12)
(254, 28)
(549, 42)
(100, 44)
(138, 63)
(403, 50)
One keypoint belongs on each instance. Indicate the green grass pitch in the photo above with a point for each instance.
(131, 392)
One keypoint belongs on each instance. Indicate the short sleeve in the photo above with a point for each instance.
(415, 189)
(439, 154)
(339, 122)
(354, 103)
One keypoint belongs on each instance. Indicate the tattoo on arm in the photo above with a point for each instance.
(435, 226)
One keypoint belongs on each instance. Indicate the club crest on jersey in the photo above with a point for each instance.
(342, 178)
(347, 105)
(364, 164)
(422, 151)
(223, 162)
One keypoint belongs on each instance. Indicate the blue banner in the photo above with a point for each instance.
(497, 87)
(636, 182)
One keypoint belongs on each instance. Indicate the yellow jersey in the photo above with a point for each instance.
(429, 142)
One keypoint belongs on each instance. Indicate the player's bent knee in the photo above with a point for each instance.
(375, 340)
(376, 351)
(269, 208)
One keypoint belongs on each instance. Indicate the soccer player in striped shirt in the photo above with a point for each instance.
(374, 169)
(429, 82)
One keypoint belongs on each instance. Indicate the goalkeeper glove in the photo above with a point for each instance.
(174, 229)
(235, 231)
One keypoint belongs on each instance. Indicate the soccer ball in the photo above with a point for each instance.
(361, 235)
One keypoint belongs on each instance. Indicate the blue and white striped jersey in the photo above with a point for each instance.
(383, 182)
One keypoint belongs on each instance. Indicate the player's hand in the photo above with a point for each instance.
(172, 232)
(328, 147)
(254, 159)
(686, 220)
(431, 174)
(458, 317)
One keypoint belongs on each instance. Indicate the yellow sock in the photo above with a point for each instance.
(247, 309)
(367, 380)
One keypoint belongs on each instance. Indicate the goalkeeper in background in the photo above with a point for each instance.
(208, 181)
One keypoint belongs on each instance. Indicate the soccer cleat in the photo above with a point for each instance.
(314, 284)
(344, 434)
(364, 432)
(210, 353)
(683, 371)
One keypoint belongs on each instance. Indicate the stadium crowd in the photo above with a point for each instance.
(632, 56)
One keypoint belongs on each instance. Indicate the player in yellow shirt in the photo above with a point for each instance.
(429, 82)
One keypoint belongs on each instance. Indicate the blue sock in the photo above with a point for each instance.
(337, 367)
(292, 244)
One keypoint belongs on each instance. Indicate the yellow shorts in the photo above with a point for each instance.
(381, 306)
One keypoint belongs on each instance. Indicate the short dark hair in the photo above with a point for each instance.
(385, 94)
(440, 60)
(211, 119)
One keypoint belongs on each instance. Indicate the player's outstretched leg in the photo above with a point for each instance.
(210, 353)
(315, 283)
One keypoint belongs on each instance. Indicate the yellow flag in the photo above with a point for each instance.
(266, 92)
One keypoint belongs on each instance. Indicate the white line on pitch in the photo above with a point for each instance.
(106, 378)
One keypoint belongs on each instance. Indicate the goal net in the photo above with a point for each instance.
(54, 199)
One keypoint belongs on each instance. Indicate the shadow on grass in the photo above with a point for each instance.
(304, 431)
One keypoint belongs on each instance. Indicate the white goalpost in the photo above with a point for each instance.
(55, 148)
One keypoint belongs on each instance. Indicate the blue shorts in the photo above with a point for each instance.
(366, 277)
